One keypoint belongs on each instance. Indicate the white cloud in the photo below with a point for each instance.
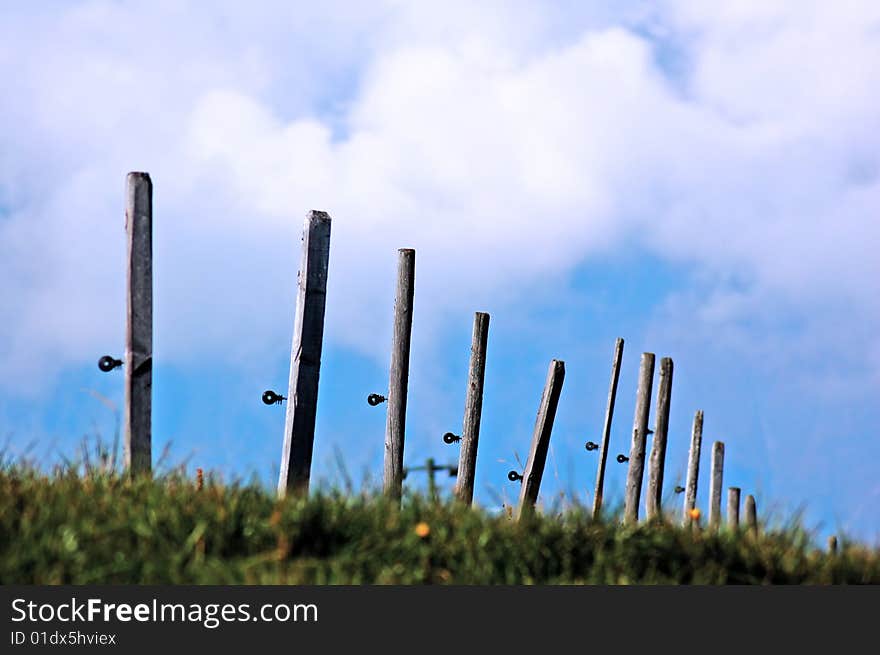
(505, 151)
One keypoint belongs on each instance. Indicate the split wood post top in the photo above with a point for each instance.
(137, 419)
(305, 355)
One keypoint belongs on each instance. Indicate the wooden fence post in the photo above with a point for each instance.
(137, 420)
(606, 428)
(534, 471)
(716, 475)
(305, 356)
(733, 496)
(693, 472)
(654, 500)
(832, 545)
(751, 516)
(473, 408)
(395, 426)
(635, 473)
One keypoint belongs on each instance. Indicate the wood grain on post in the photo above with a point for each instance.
(635, 473)
(473, 409)
(654, 500)
(395, 426)
(751, 515)
(137, 419)
(534, 471)
(716, 475)
(733, 496)
(693, 472)
(606, 428)
(305, 356)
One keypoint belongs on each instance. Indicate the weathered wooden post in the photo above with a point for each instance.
(534, 471)
(473, 408)
(635, 473)
(693, 472)
(716, 474)
(137, 419)
(751, 516)
(395, 426)
(654, 500)
(606, 428)
(733, 496)
(832, 545)
(305, 356)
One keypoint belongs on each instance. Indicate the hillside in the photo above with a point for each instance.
(65, 528)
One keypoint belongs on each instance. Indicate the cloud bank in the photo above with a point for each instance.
(508, 144)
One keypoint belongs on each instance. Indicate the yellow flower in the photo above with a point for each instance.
(423, 529)
(695, 514)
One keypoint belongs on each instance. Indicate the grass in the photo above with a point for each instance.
(100, 527)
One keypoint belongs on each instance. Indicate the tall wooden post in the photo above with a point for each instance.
(305, 356)
(733, 496)
(606, 428)
(473, 408)
(693, 472)
(635, 473)
(531, 482)
(139, 325)
(395, 426)
(653, 504)
(716, 474)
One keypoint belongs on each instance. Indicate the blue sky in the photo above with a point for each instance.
(701, 181)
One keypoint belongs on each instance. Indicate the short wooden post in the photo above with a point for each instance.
(832, 545)
(693, 472)
(635, 473)
(751, 516)
(305, 356)
(733, 496)
(716, 474)
(654, 500)
(137, 419)
(606, 428)
(395, 426)
(473, 408)
(534, 471)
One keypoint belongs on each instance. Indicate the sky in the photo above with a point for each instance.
(702, 181)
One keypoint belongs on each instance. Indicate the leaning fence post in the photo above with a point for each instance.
(635, 473)
(606, 428)
(733, 495)
(139, 324)
(473, 408)
(395, 426)
(751, 516)
(716, 475)
(653, 504)
(693, 472)
(531, 481)
(305, 356)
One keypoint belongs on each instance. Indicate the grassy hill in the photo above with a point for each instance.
(66, 528)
